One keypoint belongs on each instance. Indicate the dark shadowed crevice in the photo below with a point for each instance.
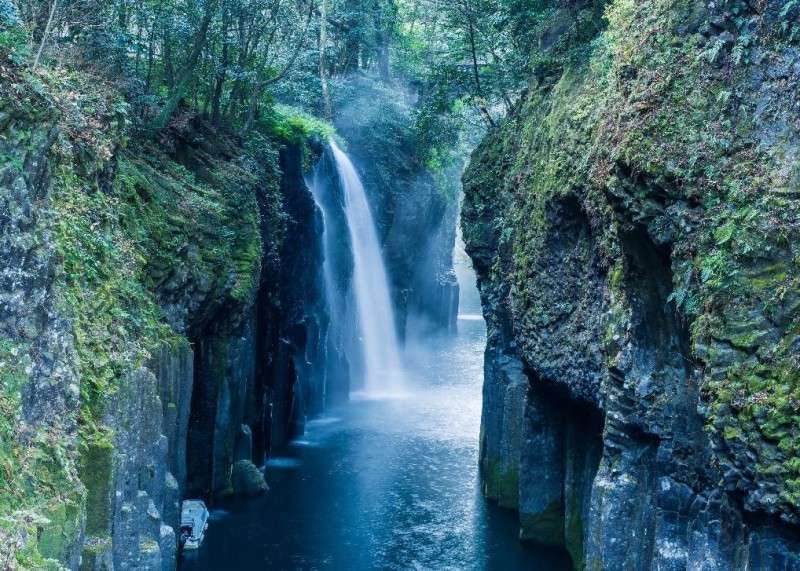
(200, 436)
(649, 281)
(259, 409)
(562, 448)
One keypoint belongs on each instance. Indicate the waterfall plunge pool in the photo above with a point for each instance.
(382, 484)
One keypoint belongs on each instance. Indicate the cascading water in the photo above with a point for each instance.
(382, 368)
(365, 315)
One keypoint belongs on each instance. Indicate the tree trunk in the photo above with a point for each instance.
(323, 66)
(169, 70)
(151, 51)
(222, 74)
(45, 34)
(478, 90)
(384, 25)
(186, 74)
(383, 56)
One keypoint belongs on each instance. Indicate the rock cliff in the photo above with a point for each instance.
(162, 321)
(165, 319)
(634, 227)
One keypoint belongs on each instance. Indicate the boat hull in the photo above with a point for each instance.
(192, 543)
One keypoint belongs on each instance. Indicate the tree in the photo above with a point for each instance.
(229, 59)
(187, 70)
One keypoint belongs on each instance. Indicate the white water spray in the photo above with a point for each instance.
(382, 368)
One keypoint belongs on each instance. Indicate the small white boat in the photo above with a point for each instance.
(194, 523)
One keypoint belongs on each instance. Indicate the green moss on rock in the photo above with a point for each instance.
(95, 468)
(129, 226)
(573, 538)
(62, 531)
(656, 125)
(247, 479)
(500, 484)
(545, 527)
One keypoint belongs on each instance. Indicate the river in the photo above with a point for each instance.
(387, 484)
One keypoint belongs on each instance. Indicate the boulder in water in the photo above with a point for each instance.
(247, 479)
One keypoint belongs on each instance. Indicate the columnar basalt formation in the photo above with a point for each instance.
(163, 326)
(634, 229)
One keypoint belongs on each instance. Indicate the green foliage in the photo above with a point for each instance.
(116, 319)
(37, 470)
(154, 50)
(34, 462)
(296, 126)
(117, 248)
(96, 469)
(14, 38)
(165, 206)
(122, 221)
(378, 124)
(788, 18)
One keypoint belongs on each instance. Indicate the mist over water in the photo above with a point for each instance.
(469, 300)
(382, 483)
(382, 367)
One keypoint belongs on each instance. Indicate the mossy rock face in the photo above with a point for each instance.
(119, 248)
(59, 536)
(96, 472)
(544, 528)
(500, 484)
(247, 479)
(39, 386)
(574, 537)
(636, 226)
(97, 555)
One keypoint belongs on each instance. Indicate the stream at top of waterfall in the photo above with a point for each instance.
(382, 484)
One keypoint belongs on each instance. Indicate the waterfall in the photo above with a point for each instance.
(382, 369)
(365, 314)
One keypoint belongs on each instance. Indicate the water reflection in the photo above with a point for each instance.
(383, 484)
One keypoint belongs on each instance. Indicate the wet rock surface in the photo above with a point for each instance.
(168, 420)
(247, 479)
(652, 436)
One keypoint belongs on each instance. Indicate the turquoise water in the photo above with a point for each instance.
(382, 484)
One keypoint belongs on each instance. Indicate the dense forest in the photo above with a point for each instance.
(233, 62)
(628, 176)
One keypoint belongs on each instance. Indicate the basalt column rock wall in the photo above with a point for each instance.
(258, 378)
(634, 230)
(162, 325)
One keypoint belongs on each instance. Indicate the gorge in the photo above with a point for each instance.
(240, 242)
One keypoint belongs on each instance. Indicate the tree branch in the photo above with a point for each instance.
(45, 34)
